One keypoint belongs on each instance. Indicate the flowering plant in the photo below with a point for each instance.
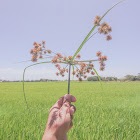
(83, 67)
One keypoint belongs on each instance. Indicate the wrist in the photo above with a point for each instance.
(49, 137)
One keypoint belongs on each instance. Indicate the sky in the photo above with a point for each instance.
(63, 25)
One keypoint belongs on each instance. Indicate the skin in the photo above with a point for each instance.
(60, 119)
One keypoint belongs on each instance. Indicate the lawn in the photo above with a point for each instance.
(111, 113)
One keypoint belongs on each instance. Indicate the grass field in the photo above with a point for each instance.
(111, 113)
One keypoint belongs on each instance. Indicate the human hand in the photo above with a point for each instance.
(60, 119)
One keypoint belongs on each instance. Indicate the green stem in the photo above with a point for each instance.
(88, 35)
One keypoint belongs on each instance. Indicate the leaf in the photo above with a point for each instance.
(86, 38)
(98, 76)
(24, 86)
(31, 60)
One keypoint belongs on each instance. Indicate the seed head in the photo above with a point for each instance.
(70, 57)
(31, 51)
(98, 17)
(57, 65)
(35, 52)
(92, 72)
(101, 68)
(77, 75)
(49, 51)
(57, 73)
(54, 60)
(110, 29)
(108, 37)
(98, 53)
(104, 58)
(59, 55)
(102, 64)
(36, 46)
(97, 20)
(88, 70)
(104, 24)
(78, 56)
(65, 58)
(40, 56)
(45, 52)
(85, 76)
(34, 43)
(34, 58)
(43, 42)
(91, 65)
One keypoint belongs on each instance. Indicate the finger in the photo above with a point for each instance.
(72, 109)
(65, 112)
(72, 117)
(58, 104)
(71, 124)
(66, 105)
(65, 137)
(69, 98)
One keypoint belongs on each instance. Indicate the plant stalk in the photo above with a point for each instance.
(69, 79)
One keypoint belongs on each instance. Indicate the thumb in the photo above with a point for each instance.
(69, 98)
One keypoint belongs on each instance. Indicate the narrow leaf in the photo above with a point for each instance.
(86, 38)
(24, 87)
(98, 76)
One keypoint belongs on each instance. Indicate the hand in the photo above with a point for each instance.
(60, 119)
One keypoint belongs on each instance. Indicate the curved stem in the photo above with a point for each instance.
(24, 87)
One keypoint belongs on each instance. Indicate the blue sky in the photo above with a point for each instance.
(63, 25)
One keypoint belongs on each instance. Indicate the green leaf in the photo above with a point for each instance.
(80, 47)
(98, 77)
(86, 38)
(24, 87)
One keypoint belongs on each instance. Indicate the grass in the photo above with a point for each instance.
(109, 114)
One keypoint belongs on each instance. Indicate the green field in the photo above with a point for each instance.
(111, 113)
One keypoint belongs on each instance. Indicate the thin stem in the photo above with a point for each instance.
(87, 60)
(91, 36)
(76, 67)
(69, 79)
(66, 67)
(24, 87)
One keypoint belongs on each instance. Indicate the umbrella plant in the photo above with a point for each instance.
(80, 68)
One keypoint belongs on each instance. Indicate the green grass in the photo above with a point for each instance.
(109, 114)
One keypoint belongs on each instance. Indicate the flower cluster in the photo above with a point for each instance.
(104, 28)
(38, 51)
(101, 60)
(80, 68)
